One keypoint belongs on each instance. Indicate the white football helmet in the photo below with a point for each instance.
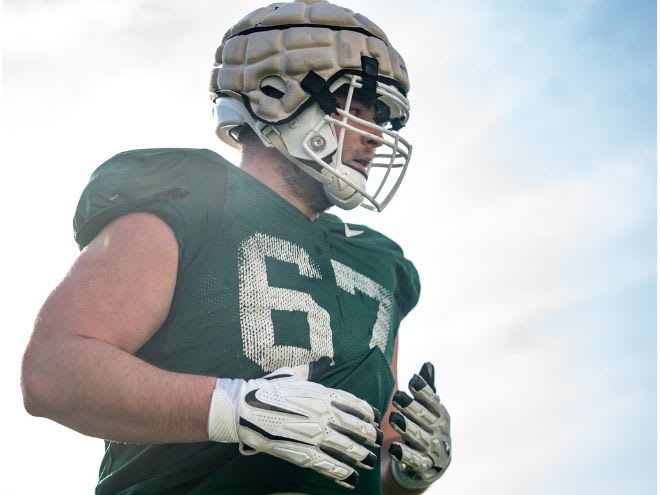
(278, 70)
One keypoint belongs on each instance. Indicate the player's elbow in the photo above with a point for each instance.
(38, 392)
(31, 387)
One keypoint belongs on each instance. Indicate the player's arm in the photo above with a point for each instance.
(79, 368)
(388, 485)
(417, 446)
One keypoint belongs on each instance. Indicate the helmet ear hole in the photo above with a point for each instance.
(273, 86)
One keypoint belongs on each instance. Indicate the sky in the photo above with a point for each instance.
(529, 210)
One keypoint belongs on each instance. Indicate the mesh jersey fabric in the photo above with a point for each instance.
(259, 286)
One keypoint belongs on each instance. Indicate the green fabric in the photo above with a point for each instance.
(260, 286)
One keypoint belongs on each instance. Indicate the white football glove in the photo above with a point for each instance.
(286, 415)
(424, 426)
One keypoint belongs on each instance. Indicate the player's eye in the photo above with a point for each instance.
(355, 112)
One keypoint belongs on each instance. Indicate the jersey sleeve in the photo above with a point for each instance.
(182, 187)
(368, 246)
(406, 278)
(407, 294)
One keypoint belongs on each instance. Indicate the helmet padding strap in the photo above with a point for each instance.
(369, 74)
(318, 89)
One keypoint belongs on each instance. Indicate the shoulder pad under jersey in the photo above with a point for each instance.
(184, 187)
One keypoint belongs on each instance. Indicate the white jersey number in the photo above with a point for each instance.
(350, 281)
(258, 300)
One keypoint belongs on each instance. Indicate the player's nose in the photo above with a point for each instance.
(372, 138)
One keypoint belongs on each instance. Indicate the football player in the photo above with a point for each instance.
(219, 329)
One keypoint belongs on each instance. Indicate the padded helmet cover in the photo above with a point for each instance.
(280, 44)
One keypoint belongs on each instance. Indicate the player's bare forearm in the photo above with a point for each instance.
(99, 390)
(388, 485)
(79, 368)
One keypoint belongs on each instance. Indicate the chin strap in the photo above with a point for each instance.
(276, 140)
(339, 191)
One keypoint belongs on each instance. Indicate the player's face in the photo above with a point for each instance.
(359, 150)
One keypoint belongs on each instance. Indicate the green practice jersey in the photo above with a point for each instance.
(259, 286)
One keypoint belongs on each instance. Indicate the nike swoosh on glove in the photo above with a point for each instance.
(424, 425)
(289, 416)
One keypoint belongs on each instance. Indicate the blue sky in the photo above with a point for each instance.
(529, 209)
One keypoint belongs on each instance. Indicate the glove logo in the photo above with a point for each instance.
(310, 426)
(252, 400)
